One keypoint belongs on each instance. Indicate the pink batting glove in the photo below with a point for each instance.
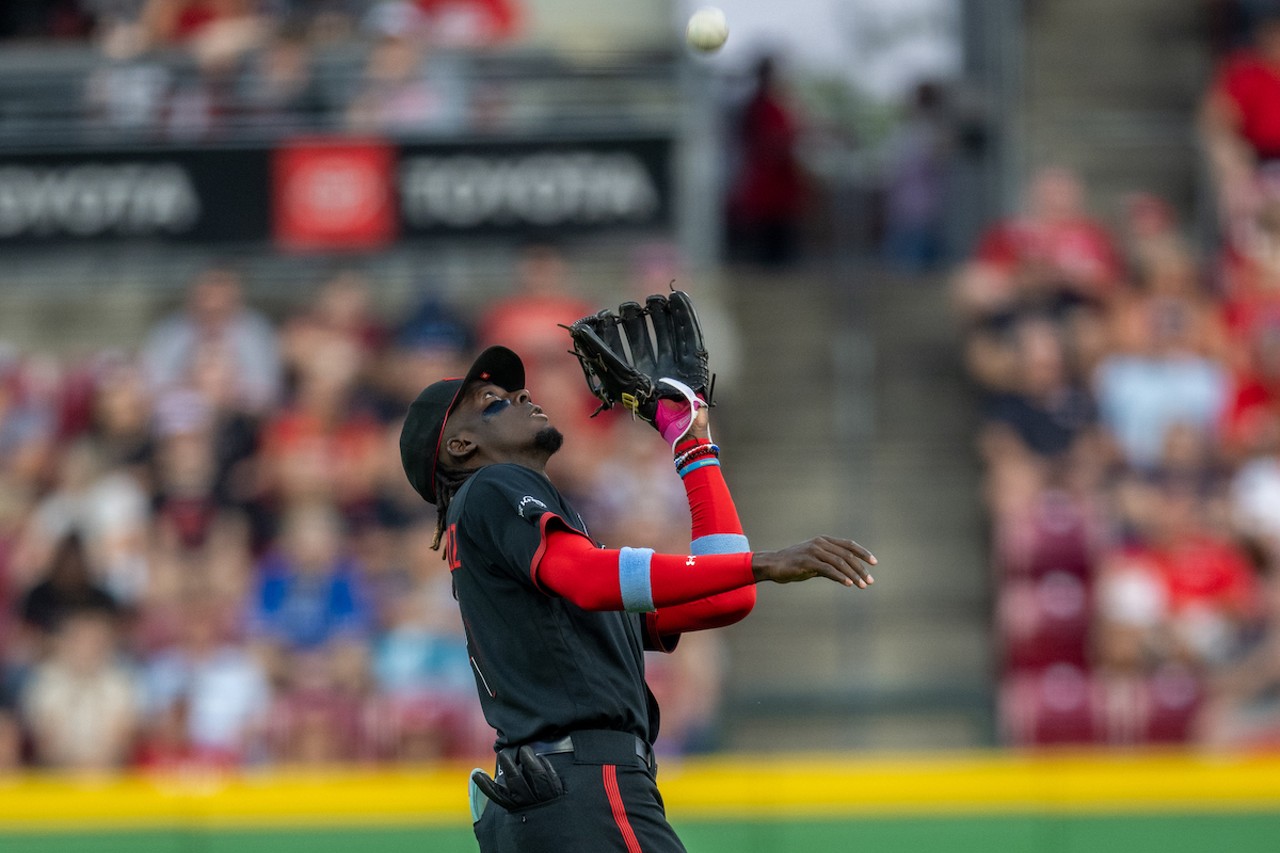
(674, 416)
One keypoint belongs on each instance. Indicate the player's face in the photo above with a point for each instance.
(504, 422)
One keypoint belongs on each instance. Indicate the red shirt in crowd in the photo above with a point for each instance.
(770, 186)
(1252, 86)
(1251, 314)
(494, 20)
(1079, 250)
(344, 454)
(1202, 571)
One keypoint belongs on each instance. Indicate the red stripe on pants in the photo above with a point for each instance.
(619, 810)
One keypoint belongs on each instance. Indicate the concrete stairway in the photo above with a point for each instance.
(858, 426)
(1110, 88)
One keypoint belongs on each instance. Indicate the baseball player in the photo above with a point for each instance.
(557, 626)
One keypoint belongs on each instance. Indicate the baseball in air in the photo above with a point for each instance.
(707, 29)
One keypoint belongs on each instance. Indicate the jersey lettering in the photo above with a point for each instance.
(451, 547)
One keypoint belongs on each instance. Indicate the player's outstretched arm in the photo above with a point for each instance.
(639, 580)
(716, 529)
(841, 560)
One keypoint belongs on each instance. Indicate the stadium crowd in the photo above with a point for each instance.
(1131, 444)
(210, 557)
(208, 70)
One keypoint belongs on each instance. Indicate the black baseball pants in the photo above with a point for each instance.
(611, 803)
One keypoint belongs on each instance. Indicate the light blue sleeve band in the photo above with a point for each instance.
(720, 543)
(700, 463)
(633, 579)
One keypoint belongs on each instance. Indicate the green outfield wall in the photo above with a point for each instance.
(1038, 804)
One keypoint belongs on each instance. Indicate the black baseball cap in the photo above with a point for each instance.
(424, 424)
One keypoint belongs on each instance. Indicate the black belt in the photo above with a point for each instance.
(565, 744)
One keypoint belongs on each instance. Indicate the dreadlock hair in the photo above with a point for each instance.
(448, 481)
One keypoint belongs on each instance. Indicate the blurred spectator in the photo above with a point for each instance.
(1131, 630)
(543, 295)
(215, 314)
(1208, 584)
(341, 314)
(1052, 251)
(434, 339)
(1255, 499)
(198, 537)
(215, 31)
(278, 89)
(201, 103)
(1252, 420)
(129, 93)
(1250, 275)
(120, 417)
(319, 717)
(323, 446)
(767, 196)
(471, 23)
(107, 507)
(1242, 710)
(1150, 231)
(80, 704)
(28, 428)
(68, 587)
(209, 408)
(1169, 281)
(217, 34)
(212, 686)
(1044, 412)
(428, 704)
(915, 201)
(1240, 125)
(633, 497)
(1160, 372)
(407, 86)
(308, 592)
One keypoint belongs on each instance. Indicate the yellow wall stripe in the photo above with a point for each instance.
(989, 784)
(738, 787)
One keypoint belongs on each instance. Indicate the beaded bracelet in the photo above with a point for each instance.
(696, 452)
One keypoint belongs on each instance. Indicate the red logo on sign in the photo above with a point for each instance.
(333, 195)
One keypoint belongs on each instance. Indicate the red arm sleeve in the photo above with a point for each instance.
(710, 503)
(572, 567)
(714, 515)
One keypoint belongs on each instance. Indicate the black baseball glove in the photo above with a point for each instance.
(524, 781)
(640, 355)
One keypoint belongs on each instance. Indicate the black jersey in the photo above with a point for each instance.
(544, 667)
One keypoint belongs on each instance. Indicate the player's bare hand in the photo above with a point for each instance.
(841, 560)
(701, 426)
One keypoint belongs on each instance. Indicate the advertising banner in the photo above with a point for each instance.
(335, 193)
(203, 195)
